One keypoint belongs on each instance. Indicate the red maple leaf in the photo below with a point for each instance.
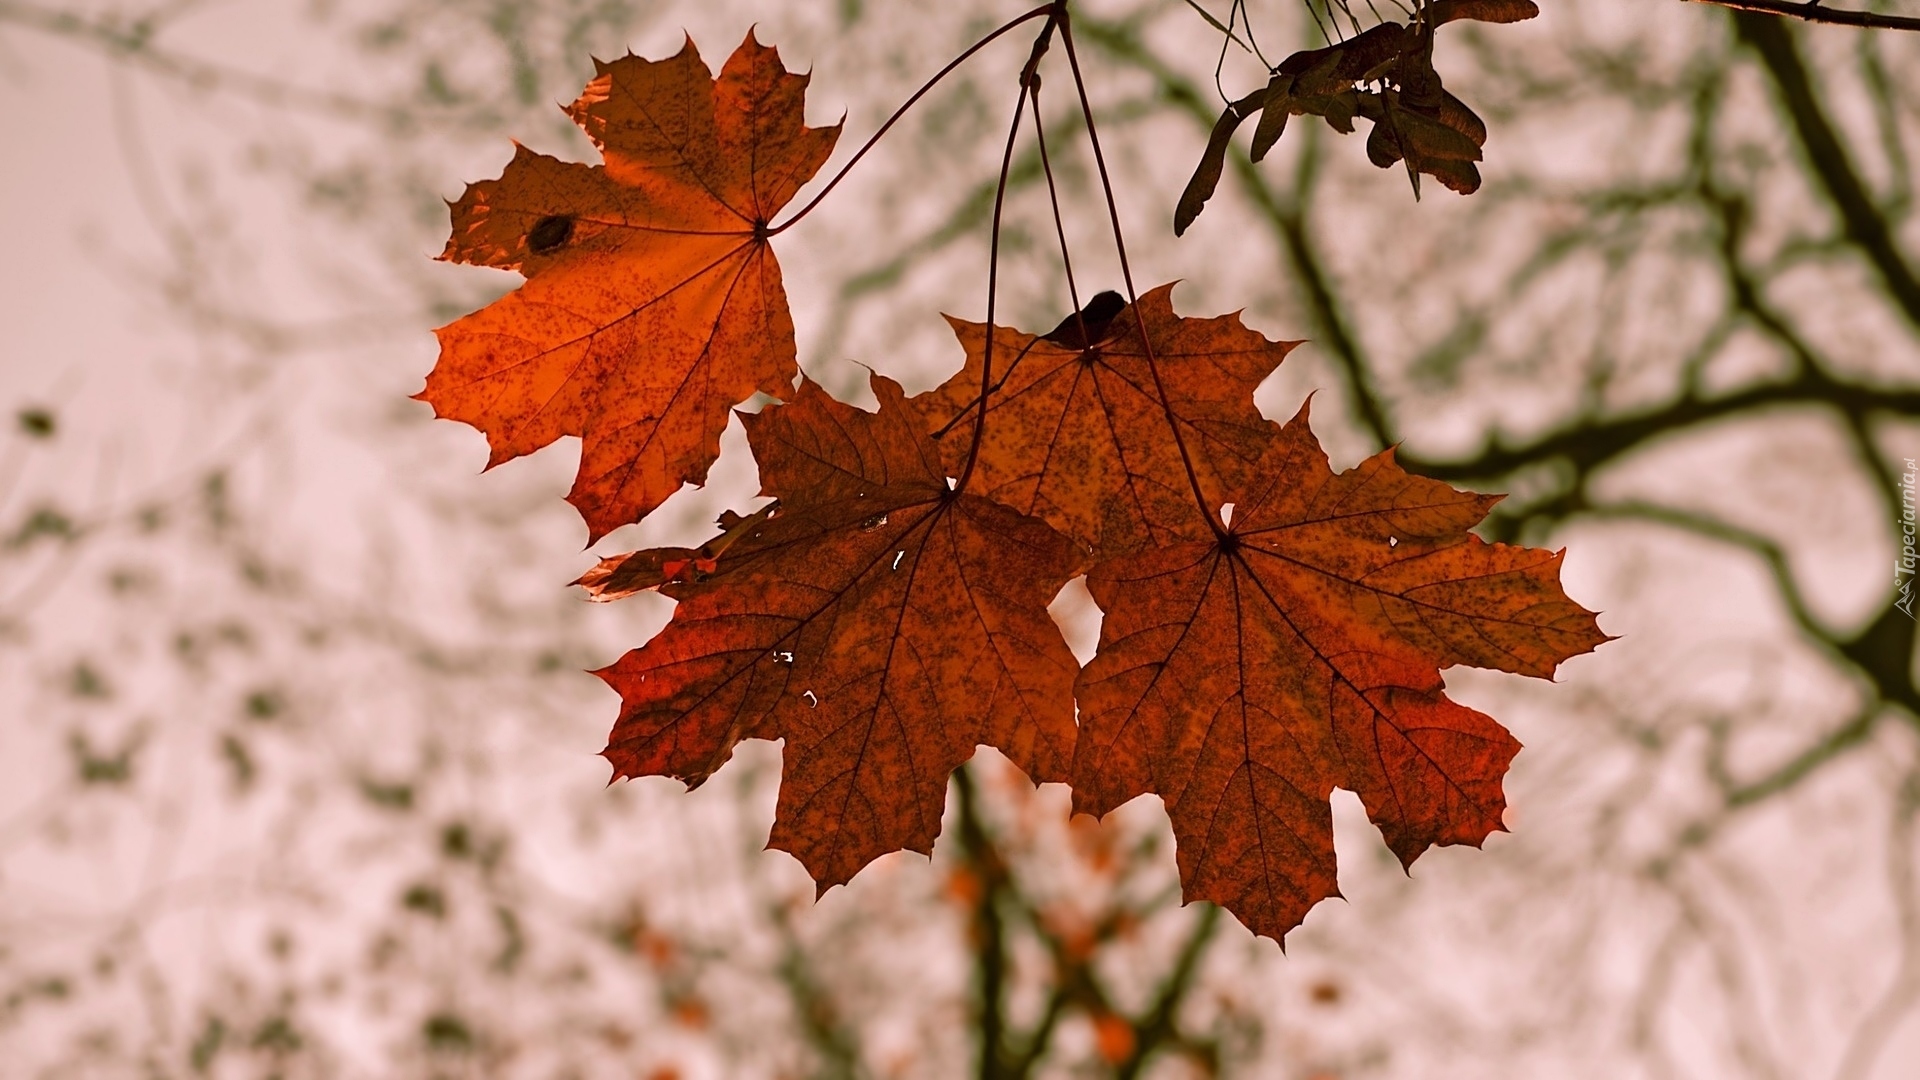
(653, 303)
(1243, 677)
(878, 621)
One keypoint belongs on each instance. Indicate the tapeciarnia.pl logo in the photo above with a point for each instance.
(1903, 567)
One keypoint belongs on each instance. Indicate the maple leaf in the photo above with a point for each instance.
(880, 622)
(653, 303)
(887, 614)
(1079, 435)
(1245, 676)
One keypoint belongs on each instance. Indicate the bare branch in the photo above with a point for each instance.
(136, 46)
(1812, 12)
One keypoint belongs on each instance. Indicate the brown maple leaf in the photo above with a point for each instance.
(1242, 678)
(653, 303)
(1080, 437)
(880, 622)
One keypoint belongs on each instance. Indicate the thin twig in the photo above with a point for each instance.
(1896, 1003)
(1812, 12)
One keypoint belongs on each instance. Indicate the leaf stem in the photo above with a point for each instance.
(1126, 274)
(1043, 9)
(1217, 24)
(1056, 13)
(1059, 223)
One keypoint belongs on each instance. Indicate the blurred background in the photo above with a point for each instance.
(298, 771)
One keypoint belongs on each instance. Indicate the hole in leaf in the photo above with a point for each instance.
(1226, 514)
(813, 699)
(1077, 615)
(1393, 541)
(550, 234)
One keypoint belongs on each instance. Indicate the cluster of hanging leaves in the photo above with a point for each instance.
(1384, 75)
(1272, 629)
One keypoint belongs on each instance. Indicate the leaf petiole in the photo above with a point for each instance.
(1028, 77)
(1044, 9)
(1126, 274)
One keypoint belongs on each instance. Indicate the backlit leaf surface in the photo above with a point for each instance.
(653, 303)
(877, 621)
(1273, 630)
(1079, 436)
(1244, 677)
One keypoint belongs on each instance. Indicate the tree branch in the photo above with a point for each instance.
(1865, 227)
(1589, 443)
(1806, 762)
(135, 45)
(1712, 528)
(988, 932)
(1812, 12)
(1157, 1028)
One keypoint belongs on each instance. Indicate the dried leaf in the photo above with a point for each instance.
(1338, 110)
(1436, 149)
(1389, 59)
(1455, 114)
(1382, 148)
(1441, 12)
(1207, 175)
(1431, 140)
(1274, 110)
(1370, 50)
(1461, 177)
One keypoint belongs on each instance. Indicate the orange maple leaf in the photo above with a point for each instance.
(880, 622)
(1245, 676)
(653, 303)
(1079, 436)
